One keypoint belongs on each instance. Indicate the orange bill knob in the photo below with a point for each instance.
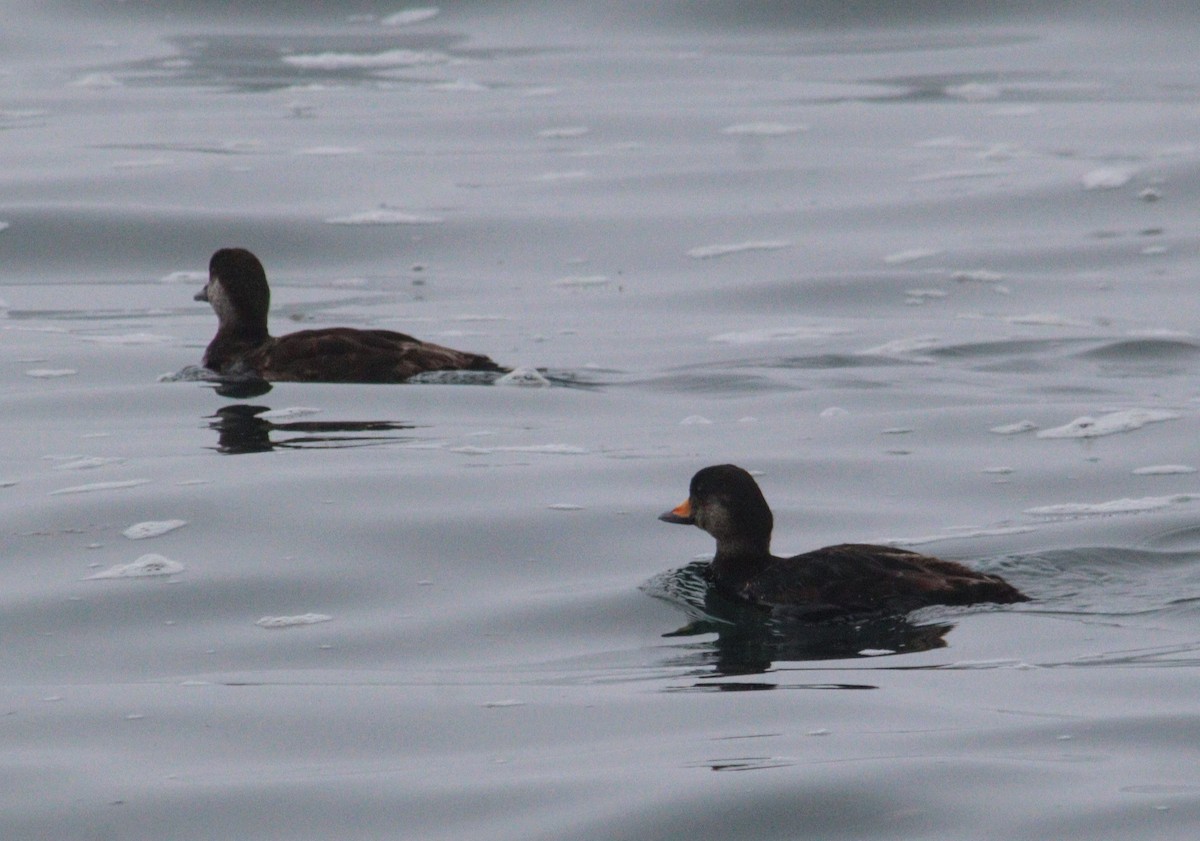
(681, 514)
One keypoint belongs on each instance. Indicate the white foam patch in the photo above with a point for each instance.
(1014, 428)
(276, 623)
(385, 216)
(583, 281)
(50, 373)
(564, 175)
(152, 528)
(695, 420)
(147, 566)
(184, 277)
(974, 92)
(460, 86)
(233, 147)
(130, 339)
(1045, 319)
(1164, 470)
(289, 413)
(541, 449)
(1110, 424)
(143, 163)
(480, 317)
(950, 141)
(88, 462)
(1161, 333)
(563, 132)
(911, 255)
(524, 378)
(365, 61)
(188, 374)
(329, 151)
(547, 449)
(100, 486)
(995, 663)
(1107, 178)
(708, 252)
(763, 129)
(1002, 152)
(454, 378)
(977, 276)
(777, 334)
(565, 506)
(456, 334)
(408, 17)
(17, 114)
(96, 81)
(902, 346)
(1115, 506)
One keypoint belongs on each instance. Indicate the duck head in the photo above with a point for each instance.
(725, 501)
(237, 290)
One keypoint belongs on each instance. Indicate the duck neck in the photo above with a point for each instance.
(231, 343)
(741, 557)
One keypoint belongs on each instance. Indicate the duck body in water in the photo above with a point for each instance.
(238, 292)
(849, 578)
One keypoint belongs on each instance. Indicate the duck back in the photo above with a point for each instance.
(863, 578)
(343, 354)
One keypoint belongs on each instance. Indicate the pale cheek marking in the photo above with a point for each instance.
(220, 303)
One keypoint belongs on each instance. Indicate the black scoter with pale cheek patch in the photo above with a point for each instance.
(850, 578)
(238, 292)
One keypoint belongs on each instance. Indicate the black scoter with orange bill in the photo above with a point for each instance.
(238, 292)
(849, 578)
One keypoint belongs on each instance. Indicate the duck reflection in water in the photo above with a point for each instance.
(241, 428)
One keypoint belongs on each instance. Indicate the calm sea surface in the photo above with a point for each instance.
(932, 277)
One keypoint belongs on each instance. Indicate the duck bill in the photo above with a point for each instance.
(681, 514)
(202, 295)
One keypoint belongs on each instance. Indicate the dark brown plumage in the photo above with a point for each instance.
(725, 501)
(238, 292)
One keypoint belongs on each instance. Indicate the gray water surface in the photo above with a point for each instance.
(931, 276)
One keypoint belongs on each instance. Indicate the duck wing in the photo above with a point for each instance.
(856, 577)
(343, 354)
